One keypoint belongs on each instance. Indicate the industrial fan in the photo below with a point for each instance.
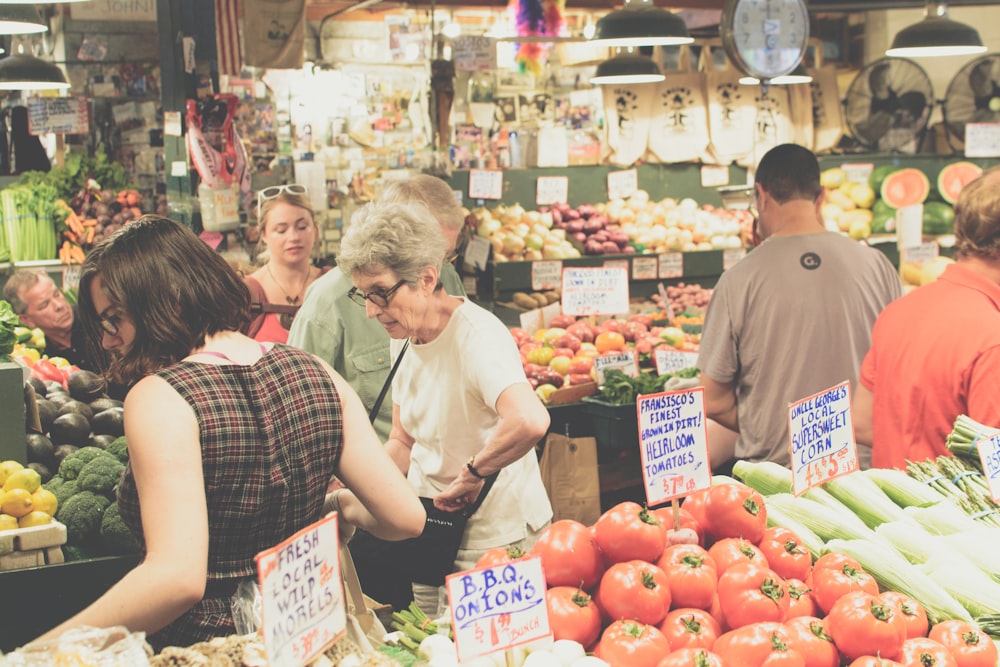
(888, 105)
(973, 96)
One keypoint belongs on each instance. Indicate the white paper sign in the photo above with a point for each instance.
(551, 190)
(497, 608)
(58, 115)
(731, 256)
(857, 172)
(671, 265)
(595, 290)
(924, 252)
(172, 126)
(477, 252)
(982, 140)
(989, 457)
(645, 268)
(485, 184)
(714, 175)
(472, 53)
(671, 361)
(546, 274)
(532, 320)
(625, 362)
(302, 606)
(622, 184)
(673, 444)
(821, 435)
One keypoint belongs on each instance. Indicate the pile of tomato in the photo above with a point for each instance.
(709, 584)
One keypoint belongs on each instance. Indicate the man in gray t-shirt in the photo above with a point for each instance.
(795, 316)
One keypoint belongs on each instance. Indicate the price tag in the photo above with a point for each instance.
(616, 264)
(989, 457)
(546, 274)
(671, 361)
(300, 586)
(857, 172)
(924, 252)
(497, 608)
(595, 290)
(531, 320)
(731, 256)
(472, 53)
(673, 444)
(623, 184)
(982, 140)
(551, 190)
(58, 115)
(626, 362)
(485, 184)
(671, 265)
(821, 435)
(714, 175)
(172, 124)
(477, 252)
(645, 268)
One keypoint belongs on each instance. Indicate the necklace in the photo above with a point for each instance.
(292, 300)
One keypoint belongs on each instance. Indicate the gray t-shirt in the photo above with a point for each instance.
(793, 318)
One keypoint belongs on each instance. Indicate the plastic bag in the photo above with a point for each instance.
(247, 607)
(95, 647)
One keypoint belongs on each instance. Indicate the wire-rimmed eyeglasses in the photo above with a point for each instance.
(380, 297)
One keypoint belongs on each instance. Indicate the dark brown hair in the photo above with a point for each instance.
(977, 217)
(788, 172)
(173, 287)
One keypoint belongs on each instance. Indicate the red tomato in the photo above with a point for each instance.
(500, 556)
(735, 510)
(691, 575)
(862, 624)
(912, 611)
(666, 516)
(800, 599)
(692, 657)
(634, 590)
(694, 504)
(829, 584)
(731, 550)
(785, 553)
(629, 531)
(924, 652)
(573, 615)
(810, 638)
(569, 555)
(757, 645)
(750, 593)
(690, 628)
(971, 646)
(872, 661)
(835, 560)
(631, 644)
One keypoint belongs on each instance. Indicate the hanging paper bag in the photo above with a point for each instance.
(627, 110)
(772, 122)
(678, 130)
(827, 110)
(274, 33)
(731, 112)
(800, 114)
(569, 472)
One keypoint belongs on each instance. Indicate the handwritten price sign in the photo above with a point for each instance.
(595, 291)
(821, 435)
(673, 444)
(989, 456)
(497, 608)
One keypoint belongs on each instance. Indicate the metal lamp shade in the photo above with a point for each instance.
(641, 24)
(23, 72)
(20, 20)
(627, 69)
(936, 36)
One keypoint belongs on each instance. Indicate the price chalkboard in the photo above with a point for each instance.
(58, 115)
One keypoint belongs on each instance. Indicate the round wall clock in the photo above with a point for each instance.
(765, 38)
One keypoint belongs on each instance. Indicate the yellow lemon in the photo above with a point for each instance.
(7, 467)
(16, 502)
(45, 501)
(7, 522)
(25, 478)
(34, 519)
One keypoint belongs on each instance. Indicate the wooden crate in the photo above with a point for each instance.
(32, 547)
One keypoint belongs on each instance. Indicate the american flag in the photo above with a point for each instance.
(227, 37)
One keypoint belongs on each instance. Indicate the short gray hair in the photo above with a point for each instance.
(430, 191)
(19, 283)
(404, 239)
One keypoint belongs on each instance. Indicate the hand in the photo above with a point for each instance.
(344, 528)
(461, 493)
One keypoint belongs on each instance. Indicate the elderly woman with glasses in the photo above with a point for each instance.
(288, 236)
(231, 441)
(462, 407)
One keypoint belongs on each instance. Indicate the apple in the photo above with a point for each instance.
(563, 352)
(580, 365)
(568, 340)
(582, 330)
(563, 321)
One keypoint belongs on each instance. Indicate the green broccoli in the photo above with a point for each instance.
(54, 483)
(64, 491)
(71, 465)
(82, 514)
(101, 475)
(118, 449)
(116, 538)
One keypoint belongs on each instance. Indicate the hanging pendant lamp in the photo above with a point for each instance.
(20, 71)
(641, 23)
(936, 35)
(20, 20)
(627, 68)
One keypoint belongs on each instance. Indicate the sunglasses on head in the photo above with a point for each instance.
(273, 191)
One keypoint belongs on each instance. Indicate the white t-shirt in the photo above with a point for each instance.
(447, 392)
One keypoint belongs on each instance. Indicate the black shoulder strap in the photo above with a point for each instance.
(388, 382)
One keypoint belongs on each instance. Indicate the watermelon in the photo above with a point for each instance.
(883, 218)
(955, 176)
(905, 187)
(939, 218)
(878, 175)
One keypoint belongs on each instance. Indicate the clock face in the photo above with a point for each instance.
(765, 38)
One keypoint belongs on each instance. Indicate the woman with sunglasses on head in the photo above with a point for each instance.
(462, 406)
(231, 441)
(289, 233)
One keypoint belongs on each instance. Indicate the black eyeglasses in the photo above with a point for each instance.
(275, 190)
(378, 296)
(109, 324)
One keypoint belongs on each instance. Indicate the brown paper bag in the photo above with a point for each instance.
(678, 130)
(274, 33)
(627, 110)
(827, 110)
(569, 472)
(772, 122)
(800, 114)
(731, 112)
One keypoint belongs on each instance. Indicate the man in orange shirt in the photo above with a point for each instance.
(935, 352)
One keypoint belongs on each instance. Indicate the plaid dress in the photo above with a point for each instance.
(271, 435)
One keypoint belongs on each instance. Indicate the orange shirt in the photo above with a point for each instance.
(935, 354)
